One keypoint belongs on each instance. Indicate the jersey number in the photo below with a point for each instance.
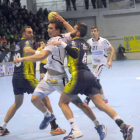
(85, 58)
(17, 56)
(94, 48)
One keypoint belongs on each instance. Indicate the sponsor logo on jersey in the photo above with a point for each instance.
(85, 47)
(17, 48)
(27, 43)
(97, 53)
(73, 43)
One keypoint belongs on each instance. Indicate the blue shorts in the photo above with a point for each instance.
(21, 86)
(83, 82)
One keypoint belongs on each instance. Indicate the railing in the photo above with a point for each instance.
(59, 6)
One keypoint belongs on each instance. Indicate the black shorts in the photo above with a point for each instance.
(42, 69)
(21, 86)
(83, 82)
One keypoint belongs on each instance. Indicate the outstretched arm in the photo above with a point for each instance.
(37, 57)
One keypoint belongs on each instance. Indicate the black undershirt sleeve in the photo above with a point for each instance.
(73, 52)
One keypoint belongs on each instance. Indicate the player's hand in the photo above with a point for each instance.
(18, 60)
(54, 43)
(109, 64)
(58, 17)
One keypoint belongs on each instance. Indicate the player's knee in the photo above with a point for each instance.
(18, 104)
(60, 104)
(34, 99)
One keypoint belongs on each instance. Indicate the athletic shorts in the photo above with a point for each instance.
(42, 69)
(98, 69)
(21, 86)
(83, 82)
(51, 83)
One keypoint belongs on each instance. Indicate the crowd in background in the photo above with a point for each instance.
(13, 17)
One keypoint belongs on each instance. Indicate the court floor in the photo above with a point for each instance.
(121, 85)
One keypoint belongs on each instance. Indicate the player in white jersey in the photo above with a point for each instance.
(99, 47)
(56, 77)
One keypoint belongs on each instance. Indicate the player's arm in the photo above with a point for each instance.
(111, 56)
(73, 52)
(65, 23)
(37, 57)
(29, 51)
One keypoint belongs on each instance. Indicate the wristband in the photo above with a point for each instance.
(36, 52)
(63, 44)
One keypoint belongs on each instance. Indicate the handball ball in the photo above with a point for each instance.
(50, 16)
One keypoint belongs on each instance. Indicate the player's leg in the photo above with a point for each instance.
(65, 99)
(126, 129)
(43, 89)
(101, 129)
(12, 110)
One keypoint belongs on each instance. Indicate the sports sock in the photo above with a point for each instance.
(96, 122)
(47, 113)
(73, 124)
(4, 124)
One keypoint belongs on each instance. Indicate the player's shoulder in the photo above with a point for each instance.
(103, 39)
(89, 40)
(54, 38)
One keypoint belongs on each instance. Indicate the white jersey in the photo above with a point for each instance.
(99, 50)
(55, 60)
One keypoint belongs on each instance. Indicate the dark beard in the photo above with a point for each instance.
(73, 35)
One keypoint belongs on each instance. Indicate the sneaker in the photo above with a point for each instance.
(46, 121)
(57, 131)
(102, 131)
(86, 101)
(127, 132)
(105, 100)
(73, 135)
(4, 131)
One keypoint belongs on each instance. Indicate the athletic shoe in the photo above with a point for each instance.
(57, 131)
(4, 131)
(73, 135)
(102, 131)
(127, 132)
(106, 101)
(46, 121)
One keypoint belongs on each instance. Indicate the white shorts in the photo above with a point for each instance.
(51, 83)
(97, 70)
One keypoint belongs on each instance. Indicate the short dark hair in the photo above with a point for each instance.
(42, 40)
(58, 24)
(94, 27)
(24, 29)
(82, 28)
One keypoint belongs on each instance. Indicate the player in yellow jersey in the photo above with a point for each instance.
(43, 70)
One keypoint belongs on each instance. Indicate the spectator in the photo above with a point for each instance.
(74, 4)
(68, 5)
(86, 4)
(121, 52)
(93, 3)
(104, 3)
(3, 40)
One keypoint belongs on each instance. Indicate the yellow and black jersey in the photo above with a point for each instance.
(43, 61)
(79, 63)
(23, 70)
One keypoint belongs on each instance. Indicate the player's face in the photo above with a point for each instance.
(28, 34)
(52, 32)
(74, 33)
(94, 33)
(42, 44)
